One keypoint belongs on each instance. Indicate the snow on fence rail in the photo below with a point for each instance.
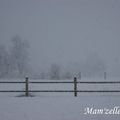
(75, 83)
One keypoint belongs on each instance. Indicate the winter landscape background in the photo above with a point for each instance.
(70, 36)
(57, 40)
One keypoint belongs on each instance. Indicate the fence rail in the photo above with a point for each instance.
(75, 83)
(59, 82)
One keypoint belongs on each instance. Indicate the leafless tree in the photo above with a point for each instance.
(19, 55)
(55, 71)
(4, 61)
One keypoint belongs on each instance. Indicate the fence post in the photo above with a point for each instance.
(105, 75)
(75, 86)
(26, 87)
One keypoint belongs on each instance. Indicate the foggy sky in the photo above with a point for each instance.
(63, 31)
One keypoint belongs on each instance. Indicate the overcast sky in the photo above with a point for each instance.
(63, 31)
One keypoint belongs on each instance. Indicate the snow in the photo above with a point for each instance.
(55, 106)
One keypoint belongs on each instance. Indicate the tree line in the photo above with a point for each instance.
(14, 62)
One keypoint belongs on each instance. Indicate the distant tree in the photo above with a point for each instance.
(4, 61)
(68, 75)
(94, 65)
(55, 71)
(19, 55)
(42, 75)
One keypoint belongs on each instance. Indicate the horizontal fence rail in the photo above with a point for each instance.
(86, 82)
(5, 91)
(61, 91)
(75, 83)
(12, 82)
(101, 82)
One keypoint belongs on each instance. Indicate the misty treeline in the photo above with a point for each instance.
(92, 67)
(14, 63)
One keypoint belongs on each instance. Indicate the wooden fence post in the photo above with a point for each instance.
(75, 86)
(26, 87)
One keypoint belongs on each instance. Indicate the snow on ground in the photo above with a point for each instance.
(56, 106)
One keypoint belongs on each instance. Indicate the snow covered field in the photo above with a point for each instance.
(57, 106)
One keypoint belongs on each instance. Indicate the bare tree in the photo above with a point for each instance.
(42, 75)
(68, 75)
(19, 55)
(4, 62)
(55, 71)
(94, 65)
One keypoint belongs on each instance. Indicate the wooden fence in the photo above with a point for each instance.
(75, 83)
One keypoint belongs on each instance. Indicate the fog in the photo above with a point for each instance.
(65, 32)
